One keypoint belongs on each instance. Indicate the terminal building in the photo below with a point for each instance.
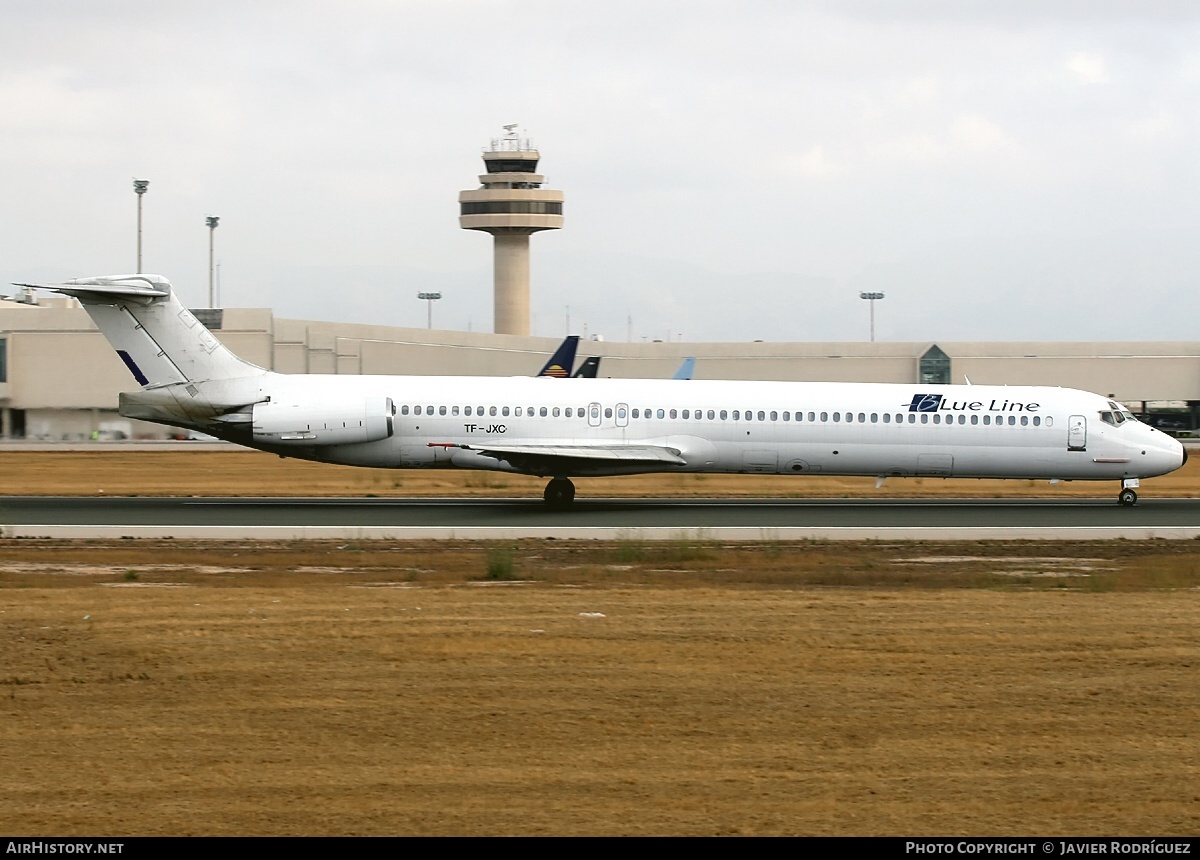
(59, 378)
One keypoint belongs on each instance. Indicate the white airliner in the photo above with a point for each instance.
(592, 427)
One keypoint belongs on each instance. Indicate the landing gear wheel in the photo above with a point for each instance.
(1127, 498)
(560, 493)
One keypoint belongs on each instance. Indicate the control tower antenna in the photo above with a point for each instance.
(511, 205)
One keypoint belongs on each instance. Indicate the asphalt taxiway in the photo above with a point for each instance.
(718, 519)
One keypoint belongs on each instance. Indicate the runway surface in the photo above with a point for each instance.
(754, 519)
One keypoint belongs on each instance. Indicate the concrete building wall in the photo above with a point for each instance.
(63, 378)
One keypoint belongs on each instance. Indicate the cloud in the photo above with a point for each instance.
(1087, 68)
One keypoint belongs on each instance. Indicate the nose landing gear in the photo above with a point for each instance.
(1127, 498)
(560, 493)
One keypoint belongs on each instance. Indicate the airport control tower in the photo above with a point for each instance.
(511, 204)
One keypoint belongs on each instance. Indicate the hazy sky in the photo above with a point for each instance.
(1004, 170)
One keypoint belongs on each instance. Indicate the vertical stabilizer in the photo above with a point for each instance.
(158, 339)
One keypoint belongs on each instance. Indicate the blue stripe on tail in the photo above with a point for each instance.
(133, 368)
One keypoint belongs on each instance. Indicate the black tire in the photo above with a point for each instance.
(1127, 498)
(560, 493)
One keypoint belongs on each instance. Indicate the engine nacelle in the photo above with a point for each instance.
(335, 422)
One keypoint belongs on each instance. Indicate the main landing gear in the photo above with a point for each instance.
(560, 492)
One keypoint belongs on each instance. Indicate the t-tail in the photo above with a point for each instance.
(188, 377)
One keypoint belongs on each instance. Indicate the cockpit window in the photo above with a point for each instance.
(1120, 414)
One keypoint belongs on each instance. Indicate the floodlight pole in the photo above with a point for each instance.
(872, 298)
(430, 298)
(211, 221)
(139, 188)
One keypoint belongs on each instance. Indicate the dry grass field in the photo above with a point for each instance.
(558, 687)
(180, 472)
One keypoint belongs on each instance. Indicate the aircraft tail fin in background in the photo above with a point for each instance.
(589, 368)
(686, 370)
(560, 364)
(158, 339)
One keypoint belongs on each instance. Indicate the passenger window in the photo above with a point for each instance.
(837, 417)
(1012, 420)
(974, 419)
(874, 417)
(1049, 421)
(849, 417)
(417, 410)
(453, 410)
(607, 412)
(762, 416)
(403, 410)
(812, 416)
(712, 415)
(620, 412)
(824, 416)
(555, 412)
(987, 419)
(674, 414)
(924, 418)
(1037, 421)
(661, 413)
(635, 413)
(736, 415)
(542, 412)
(724, 415)
(912, 419)
(787, 416)
(862, 418)
(504, 411)
(1024, 420)
(937, 419)
(887, 418)
(774, 416)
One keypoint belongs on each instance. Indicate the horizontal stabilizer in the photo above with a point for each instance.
(140, 286)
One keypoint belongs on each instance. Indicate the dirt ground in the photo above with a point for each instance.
(244, 472)
(556, 687)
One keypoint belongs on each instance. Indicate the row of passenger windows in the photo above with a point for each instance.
(623, 413)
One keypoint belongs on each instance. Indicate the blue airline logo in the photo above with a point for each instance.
(925, 403)
(939, 403)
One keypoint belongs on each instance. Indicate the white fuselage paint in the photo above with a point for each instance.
(1054, 433)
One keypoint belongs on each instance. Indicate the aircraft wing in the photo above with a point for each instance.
(548, 455)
